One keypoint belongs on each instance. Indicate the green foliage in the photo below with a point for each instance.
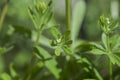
(107, 27)
(61, 41)
(48, 51)
(49, 61)
(41, 13)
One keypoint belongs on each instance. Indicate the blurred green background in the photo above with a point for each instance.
(20, 45)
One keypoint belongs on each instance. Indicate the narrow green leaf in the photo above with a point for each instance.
(49, 17)
(97, 51)
(67, 50)
(83, 60)
(104, 40)
(115, 41)
(114, 24)
(98, 46)
(68, 42)
(66, 35)
(117, 50)
(98, 74)
(83, 46)
(55, 32)
(77, 18)
(114, 59)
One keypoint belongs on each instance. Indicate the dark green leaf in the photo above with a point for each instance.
(69, 42)
(53, 43)
(84, 46)
(22, 29)
(66, 35)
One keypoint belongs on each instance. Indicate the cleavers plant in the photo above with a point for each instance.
(61, 55)
(110, 42)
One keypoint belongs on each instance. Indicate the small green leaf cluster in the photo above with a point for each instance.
(41, 13)
(107, 25)
(62, 42)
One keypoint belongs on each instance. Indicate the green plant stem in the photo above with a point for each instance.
(3, 14)
(68, 15)
(110, 70)
(38, 37)
(109, 62)
(33, 54)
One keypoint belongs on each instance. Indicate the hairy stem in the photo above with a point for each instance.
(68, 15)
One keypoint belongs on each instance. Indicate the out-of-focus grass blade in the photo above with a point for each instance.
(77, 18)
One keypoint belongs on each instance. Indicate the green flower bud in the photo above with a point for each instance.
(42, 6)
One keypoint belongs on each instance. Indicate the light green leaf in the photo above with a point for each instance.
(83, 60)
(67, 50)
(78, 14)
(98, 46)
(115, 41)
(51, 64)
(58, 50)
(55, 32)
(97, 52)
(114, 59)
(104, 40)
(5, 76)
